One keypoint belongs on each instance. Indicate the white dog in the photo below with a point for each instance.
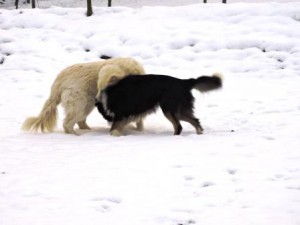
(76, 88)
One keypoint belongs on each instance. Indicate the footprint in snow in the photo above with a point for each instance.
(207, 184)
(105, 204)
(115, 200)
(187, 222)
(189, 178)
(232, 171)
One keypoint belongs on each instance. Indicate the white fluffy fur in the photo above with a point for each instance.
(76, 88)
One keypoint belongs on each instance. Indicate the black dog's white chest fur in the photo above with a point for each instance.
(103, 100)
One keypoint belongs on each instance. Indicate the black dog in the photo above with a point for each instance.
(133, 97)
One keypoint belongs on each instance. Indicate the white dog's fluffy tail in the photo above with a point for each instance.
(46, 121)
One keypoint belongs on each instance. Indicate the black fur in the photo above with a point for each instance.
(101, 110)
(135, 96)
(105, 57)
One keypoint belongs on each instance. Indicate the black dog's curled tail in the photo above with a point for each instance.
(207, 83)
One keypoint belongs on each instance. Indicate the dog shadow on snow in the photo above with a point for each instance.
(131, 131)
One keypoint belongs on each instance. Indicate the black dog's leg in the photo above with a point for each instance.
(190, 118)
(175, 122)
(117, 127)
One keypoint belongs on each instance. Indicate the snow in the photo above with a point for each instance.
(244, 169)
(127, 3)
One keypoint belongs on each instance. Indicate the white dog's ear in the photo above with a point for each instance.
(113, 80)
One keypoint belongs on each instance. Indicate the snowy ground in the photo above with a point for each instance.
(128, 3)
(245, 168)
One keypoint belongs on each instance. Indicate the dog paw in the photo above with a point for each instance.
(199, 131)
(69, 131)
(116, 133)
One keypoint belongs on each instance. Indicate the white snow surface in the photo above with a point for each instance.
(129, 3)
(244, 169)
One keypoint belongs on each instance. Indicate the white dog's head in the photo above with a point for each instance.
(116, 69)
(107, 76)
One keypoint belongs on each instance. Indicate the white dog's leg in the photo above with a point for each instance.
(83, 125)
(69, 123)
(77, 106)
(85, 108)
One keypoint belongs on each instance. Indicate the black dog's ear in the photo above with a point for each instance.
(113, 80)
